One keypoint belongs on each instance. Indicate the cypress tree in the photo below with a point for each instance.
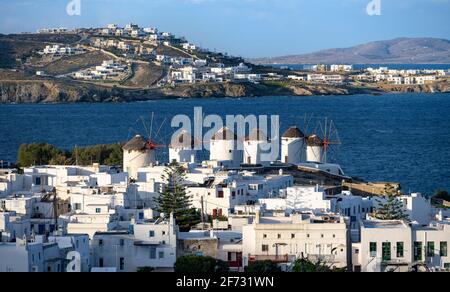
(392, 208)
(174, 199)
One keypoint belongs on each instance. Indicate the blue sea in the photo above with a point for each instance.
(393, 137)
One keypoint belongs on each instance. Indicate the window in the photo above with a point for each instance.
(264, 235)
(100, 242)
(265, 248)
(122, 264)
(443, 250)
(152, 252)
(161, 254)
(163, 233)
(373, 249)
(430, 249)
(220, 194)
(100, 262)
(77, 206)
(292, 236)
(38, 181)
(447, 266)
(151, 233)
(98, 210)
(122, 242)
(308, 236)
(387, 256)
(400, 249)
(279, 236)
(356, 251)
(418, 251)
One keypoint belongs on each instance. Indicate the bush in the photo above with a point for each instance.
(307, 266)
(263, 267)
(199, 264)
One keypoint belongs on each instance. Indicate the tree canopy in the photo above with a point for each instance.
(47, 154)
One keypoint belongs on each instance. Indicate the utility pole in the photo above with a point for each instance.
(203, 212)
(55, 208)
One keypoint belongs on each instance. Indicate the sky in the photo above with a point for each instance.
(248, 28)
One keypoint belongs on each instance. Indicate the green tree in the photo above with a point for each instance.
(391, 208)
(174, 198)
(199, 264)
(442, 195)
(307, 266)
(39, 154)
(263, 267)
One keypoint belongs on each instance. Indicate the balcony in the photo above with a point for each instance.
(281, 259)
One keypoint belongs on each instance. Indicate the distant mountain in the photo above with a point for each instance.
(396, 51)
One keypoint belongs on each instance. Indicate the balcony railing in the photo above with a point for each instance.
(273, 258)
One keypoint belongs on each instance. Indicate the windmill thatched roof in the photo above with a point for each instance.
(183, 140)
(224, 134)
(138, 143)
(293, 132)
(256, 135)
(314, 140)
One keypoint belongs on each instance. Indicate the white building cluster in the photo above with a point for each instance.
(401, 77)
(58, 50)
(105, 218)
(108, 70)
(191, 71)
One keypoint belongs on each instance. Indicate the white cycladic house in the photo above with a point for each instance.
(137, 153)
(224, 148)
(293, 146)
(255, 145)
(286, 239)
(149, 244)
(395, 246)
(314, 150)
(182, 148)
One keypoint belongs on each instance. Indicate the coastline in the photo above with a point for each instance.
(56, 92)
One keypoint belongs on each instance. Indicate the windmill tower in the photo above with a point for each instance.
(321, 150)
(182, 148)
(253, 147)
(314, 150)
(137, 153)
(293, 146)
(223, 147)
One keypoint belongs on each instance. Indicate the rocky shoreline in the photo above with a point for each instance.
(55, 91)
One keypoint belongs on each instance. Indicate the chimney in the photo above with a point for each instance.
(258, 217)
